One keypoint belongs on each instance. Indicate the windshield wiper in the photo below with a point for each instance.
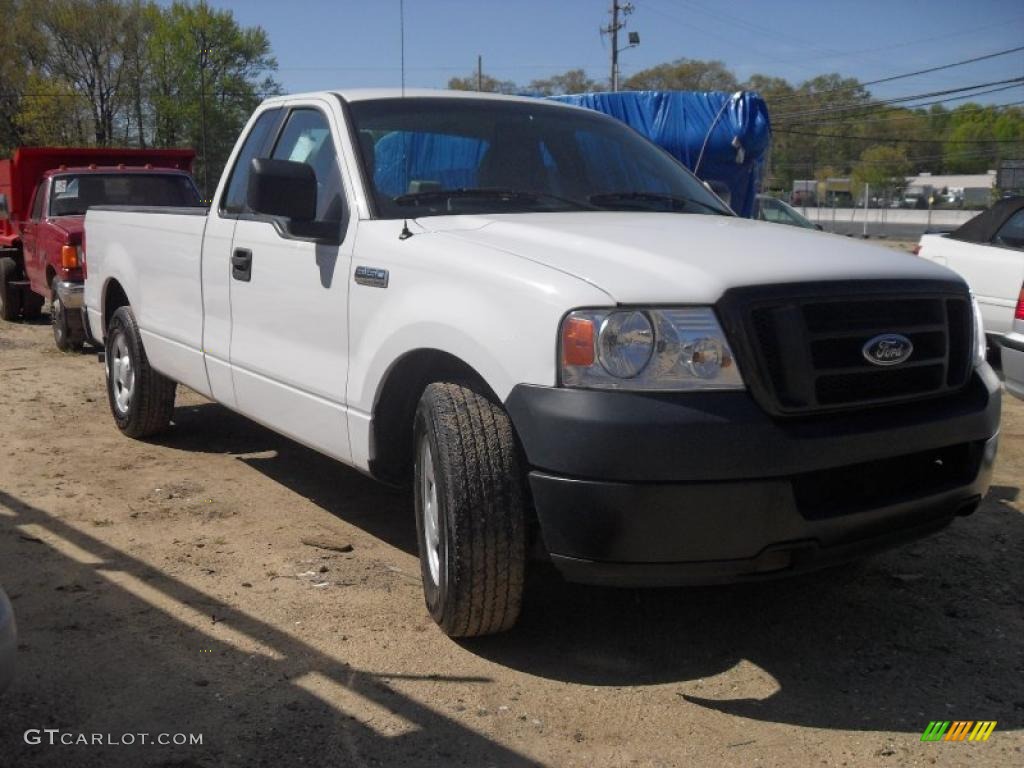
(487, 193)
(678, 203)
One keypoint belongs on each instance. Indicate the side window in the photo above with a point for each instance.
(37, 203)
(234, 197)
(306, 138)
(1011, 234)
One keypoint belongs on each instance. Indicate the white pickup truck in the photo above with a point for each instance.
(559, 337)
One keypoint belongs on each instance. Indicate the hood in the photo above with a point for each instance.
(666, 257)
(71, 226)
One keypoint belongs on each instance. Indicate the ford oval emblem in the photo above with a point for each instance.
(888, 349)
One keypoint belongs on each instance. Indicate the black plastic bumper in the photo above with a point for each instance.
(638, 489)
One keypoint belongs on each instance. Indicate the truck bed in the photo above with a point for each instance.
(154, 256)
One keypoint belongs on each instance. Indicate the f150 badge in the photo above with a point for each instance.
(372, 276)
(888, 349)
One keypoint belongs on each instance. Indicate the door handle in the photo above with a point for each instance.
(241, 264)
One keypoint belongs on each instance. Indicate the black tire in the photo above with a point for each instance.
(68, 333)
(149, 404)
(10, 295)
(479, 494)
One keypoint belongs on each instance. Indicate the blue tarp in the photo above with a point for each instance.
(679, 122)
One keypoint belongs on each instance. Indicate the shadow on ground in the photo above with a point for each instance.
(932, 631)
(103, 680)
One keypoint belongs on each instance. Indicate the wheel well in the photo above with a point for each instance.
(391, 445)
(114, 297)
(13, 251)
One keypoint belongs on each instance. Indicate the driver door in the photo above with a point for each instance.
(289, 301)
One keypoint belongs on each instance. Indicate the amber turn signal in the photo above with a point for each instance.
(578, 341)
(69, 257)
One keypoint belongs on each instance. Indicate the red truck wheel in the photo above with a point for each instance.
(68, 333)
(10, 295)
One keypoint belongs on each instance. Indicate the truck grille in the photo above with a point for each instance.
(800, 347)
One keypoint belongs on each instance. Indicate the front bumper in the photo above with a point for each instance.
(1013, 362)
(71, 294)
(658, 489)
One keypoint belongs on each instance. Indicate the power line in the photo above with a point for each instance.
(899, 141)
(891, 78)
(898, 99)
(922, 159)
(945, 66)
(903, 113)
(921, 40)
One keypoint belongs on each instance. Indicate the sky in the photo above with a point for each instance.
(323, 44)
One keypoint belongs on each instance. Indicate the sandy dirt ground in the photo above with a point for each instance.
(164, 588)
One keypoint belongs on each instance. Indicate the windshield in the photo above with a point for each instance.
(431, 157)
(74, 194)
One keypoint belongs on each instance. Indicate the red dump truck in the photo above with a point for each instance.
(44, 194)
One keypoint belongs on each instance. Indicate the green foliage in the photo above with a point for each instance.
(130, 72)
(486, 84)
(880, 166)
(573, 81)
(684, 75)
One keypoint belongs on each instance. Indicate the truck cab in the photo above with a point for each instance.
(42, 243)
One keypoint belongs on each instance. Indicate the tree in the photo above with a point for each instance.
(572, 81)
(487, 84)
(684, 75)
(881, 166)
(52, 113)
(238, 67)
(85, 49)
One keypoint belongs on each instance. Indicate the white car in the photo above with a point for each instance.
(559, 338)
(1013, 351)
(988, 252)
(8, 641)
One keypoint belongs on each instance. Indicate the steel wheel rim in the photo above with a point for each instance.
(122, 374)
(58, 316)
(431, 513)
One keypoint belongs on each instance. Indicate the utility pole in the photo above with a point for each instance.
(619, 12)
(204, 60)
(479, 72)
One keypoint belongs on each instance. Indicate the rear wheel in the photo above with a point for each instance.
(141, 399)
(68, 333)
(10, 295)
(470, 511)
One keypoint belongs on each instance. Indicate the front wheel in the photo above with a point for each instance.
(68, 333)
(141, 399)
(470, 511)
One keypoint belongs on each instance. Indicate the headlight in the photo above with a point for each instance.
(980, 342)
(646, 349)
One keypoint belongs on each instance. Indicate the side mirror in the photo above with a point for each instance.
(282, 188)
(5, 211)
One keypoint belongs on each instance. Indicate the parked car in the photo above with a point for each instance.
(1013, 351)
(776, 211)
(557, 352)
(44, 194)
(988, 251)
(8, 641)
